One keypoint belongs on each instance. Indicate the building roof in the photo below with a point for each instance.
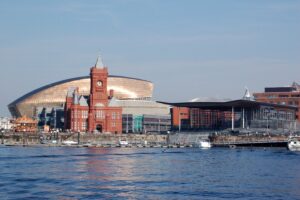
(25, 120)
(64, 81)
(83, 101)
(99, 63)
(142, 107)
(227, 105)
(209, 99)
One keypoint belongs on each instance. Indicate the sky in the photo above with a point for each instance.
(187, 48)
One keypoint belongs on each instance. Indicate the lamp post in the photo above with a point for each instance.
(2, 134)
(127, 123)
(268, 115)
(24, 130)
(179, 120)
(159, 125)
(232, 118)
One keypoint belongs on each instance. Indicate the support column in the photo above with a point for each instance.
(243, 117)
(232, 118)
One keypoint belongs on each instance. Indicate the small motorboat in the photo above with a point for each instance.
(123, 142)
(294, 143)
(69, 142)
(204, 144)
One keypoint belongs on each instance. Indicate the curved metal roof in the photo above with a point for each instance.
(61, 82)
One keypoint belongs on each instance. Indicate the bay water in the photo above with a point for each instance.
(148, 173)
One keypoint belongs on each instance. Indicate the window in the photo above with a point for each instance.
(295, 95)
(84, 126)
(113, 124)
(84, 114)
(75, 114)
(271, 96)
(283, 95)
(113, 115)
(100, 114)
(75, 125)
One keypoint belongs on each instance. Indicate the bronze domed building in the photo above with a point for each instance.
(54, 95)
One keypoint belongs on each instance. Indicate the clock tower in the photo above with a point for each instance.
(94, 113)
(98, 93)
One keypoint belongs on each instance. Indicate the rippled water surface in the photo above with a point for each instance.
(97, 173)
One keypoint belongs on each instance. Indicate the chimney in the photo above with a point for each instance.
(111, 94)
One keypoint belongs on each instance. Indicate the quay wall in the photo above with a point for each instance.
(113, 139)
(246, 140)
(104, 139)
(19, 139)
(184, 139)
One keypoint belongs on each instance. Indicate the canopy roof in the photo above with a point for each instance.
(237, 104)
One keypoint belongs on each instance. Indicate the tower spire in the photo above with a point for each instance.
(247, 95)
(99, 63)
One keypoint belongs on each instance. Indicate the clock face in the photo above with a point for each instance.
(99, 83)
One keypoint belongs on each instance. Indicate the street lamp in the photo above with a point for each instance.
(268, 115)
(159, 125)
(2, 133)
(179, 120)
(127, 123)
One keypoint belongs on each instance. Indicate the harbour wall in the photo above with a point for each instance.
(178, 139)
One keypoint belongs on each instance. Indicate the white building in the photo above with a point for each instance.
(5, 123)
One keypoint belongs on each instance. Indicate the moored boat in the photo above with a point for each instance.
(69, 142)
(123, 142)
(294, 143)
(204, 144)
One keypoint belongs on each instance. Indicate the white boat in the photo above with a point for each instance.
(204, 144)
(123, 142)
(69, 142)
(294, 143)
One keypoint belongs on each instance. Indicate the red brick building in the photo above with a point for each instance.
(180, 118)
(93, 112)
(281, 95)
(194, 118)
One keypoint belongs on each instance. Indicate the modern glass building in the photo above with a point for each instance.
(233, 115)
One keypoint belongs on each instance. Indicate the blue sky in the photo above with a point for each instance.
(189, 49)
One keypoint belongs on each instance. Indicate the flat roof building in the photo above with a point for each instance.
(282, 96)
(237, 114)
